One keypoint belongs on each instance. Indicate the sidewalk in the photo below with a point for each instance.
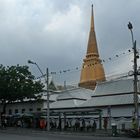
(14, 130)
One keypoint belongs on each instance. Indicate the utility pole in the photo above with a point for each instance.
(48, 104)
(135, 86)
(46, 77)
(136, 104)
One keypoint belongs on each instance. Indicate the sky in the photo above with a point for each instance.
(54, 34)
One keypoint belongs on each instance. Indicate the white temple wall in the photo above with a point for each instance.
(118, 111)
(27, 106)
(120, 115)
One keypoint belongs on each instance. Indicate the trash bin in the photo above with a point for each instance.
(114, 129)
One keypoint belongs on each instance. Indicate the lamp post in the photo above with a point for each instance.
(136, 113)
(47, 83)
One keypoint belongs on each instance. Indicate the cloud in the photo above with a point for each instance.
(55, 33)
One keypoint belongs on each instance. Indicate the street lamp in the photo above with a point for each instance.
(135, 73)
(47, 85)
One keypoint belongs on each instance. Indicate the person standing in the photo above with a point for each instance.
(105, 123)
(134, 124)
(94, 126)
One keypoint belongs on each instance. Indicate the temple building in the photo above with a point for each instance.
(111, 99)
(92, 70)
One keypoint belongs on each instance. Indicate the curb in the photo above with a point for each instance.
(44, 132)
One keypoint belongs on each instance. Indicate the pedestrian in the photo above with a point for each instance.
(4, 123)
(105, 123)
(83, 125)
(134, 124)
(88, 126)
(19, 123)
(94, 126)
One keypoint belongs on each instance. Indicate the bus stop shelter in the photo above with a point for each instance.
(64, 113)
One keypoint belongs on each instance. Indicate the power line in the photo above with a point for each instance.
(72, 70)
(78, 68)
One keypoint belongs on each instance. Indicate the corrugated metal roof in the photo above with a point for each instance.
(113, 93)
(66, 103)
(108, 93)
(109, 100)
(113, 87)
(77, 93)
(52, 97)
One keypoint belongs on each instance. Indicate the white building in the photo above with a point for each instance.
(113, 99)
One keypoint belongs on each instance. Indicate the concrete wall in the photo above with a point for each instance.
(35, 106)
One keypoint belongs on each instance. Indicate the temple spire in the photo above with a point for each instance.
(92, 70)
(92, 18)
(92, 43)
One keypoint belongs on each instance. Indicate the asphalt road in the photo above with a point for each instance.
(6, 136)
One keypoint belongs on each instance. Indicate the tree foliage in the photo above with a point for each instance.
(17, 83)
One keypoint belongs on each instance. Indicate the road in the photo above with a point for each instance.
(7, 136)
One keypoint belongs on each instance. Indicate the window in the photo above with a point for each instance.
(16, 111)
(38, 109)
(10, 111)
(23, 110)
(30, 109)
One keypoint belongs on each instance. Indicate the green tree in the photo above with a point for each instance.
(16, 84)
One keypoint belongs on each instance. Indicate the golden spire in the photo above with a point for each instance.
(92, 44)
(92, 20)
(92, 70)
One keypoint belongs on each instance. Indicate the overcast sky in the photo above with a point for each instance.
(54, 34)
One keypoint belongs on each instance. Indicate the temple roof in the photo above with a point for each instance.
(123, 99)
(114, 87)
(109, 93)
(72, 98)
(76, 93)
(66, 103)
(119, 92)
